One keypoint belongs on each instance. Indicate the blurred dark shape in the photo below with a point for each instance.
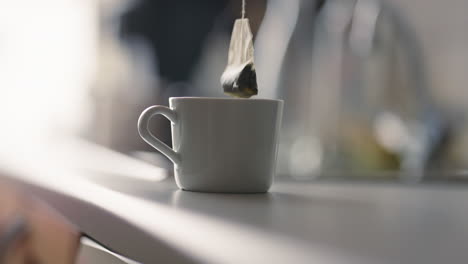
(176, 30)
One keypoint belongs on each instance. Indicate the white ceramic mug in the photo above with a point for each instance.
(219, 145)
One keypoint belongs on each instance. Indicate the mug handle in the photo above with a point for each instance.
(147, 136)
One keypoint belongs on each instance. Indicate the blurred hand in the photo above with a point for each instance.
(31, 232)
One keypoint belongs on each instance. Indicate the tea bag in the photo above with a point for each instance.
(239, 78)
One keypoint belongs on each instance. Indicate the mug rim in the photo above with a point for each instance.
(190, 98)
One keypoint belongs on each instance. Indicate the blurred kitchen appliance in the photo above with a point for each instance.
(356, 95)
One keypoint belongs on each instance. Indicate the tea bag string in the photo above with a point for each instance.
(242, 26)
(243, 9)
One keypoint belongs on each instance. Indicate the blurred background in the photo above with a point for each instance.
(373, 90)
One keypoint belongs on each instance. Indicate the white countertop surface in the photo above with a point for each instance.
(151, 221)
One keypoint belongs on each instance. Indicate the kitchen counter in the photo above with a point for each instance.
(151, 221)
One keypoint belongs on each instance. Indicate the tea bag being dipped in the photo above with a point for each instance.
(239, 78)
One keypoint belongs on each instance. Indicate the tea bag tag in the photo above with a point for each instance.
(239, 78)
